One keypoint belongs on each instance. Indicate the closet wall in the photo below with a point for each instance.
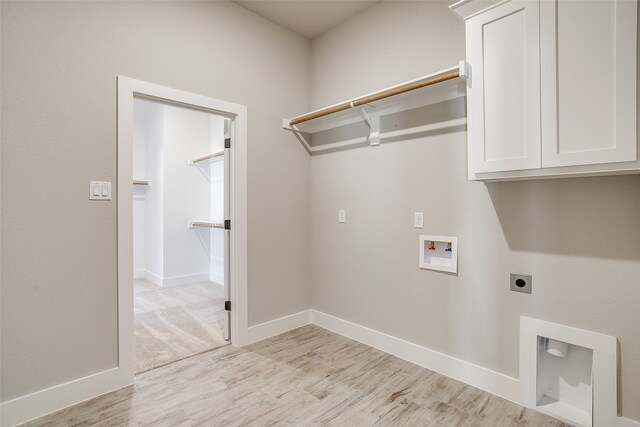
(186, 196)
(578, 237)
(151, 225)
(139, 192)
(148, 141)
(216, 197)
(166, 251)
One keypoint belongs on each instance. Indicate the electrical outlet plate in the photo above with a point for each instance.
(521, 283)
(418, 220)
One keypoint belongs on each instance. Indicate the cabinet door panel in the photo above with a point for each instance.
(504, 100)
(588, 62)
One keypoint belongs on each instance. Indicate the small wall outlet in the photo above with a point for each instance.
(342, 215)
(418, 220)
(521, 283)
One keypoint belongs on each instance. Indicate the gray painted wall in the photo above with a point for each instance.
(59, 66)
(578, 237)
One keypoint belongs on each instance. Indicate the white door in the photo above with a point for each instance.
(228, 140)
(504, 100)
(588, 62)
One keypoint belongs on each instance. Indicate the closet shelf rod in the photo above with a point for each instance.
(206, 225)
(375, 97)
(207, 157)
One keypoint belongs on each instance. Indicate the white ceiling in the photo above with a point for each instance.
(309, 18)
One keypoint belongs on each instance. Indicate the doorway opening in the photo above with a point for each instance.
(179, 238)
(182, 241)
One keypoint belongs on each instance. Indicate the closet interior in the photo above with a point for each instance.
(178, 236)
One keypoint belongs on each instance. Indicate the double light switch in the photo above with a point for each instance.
(99, 190)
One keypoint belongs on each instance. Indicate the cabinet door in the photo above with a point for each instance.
(504, 100)
(588, 63)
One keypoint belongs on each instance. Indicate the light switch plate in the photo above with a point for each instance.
(342, 215)
(99, 190)
(418, 220)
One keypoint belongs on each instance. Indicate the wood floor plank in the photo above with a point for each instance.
(497, 412)
(435, 389)
(469, 399)
(408, 413)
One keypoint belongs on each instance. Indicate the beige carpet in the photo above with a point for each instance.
(175, 323)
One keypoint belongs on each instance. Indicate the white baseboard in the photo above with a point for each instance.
(275, 327)
(170, 282)
(43, 402)
(153, 278)
(216, 278)
(216, 269)
(477, 376)
(140, 274)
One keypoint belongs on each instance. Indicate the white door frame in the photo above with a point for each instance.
(127, 89)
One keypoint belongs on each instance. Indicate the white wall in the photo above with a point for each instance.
(139, 192)
(186, 196)
(578, 237)
(59, 62)
(216, 176)
(154, 195)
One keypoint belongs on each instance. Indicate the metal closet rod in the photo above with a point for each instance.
(373, 98)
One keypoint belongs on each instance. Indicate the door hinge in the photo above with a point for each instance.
(227, 224)
(227, 305)
(227, 143)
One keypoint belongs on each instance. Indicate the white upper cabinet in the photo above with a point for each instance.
(503, 48)
(553, 89)
(588, 82)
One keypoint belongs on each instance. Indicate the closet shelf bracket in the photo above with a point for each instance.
(464, 69)
(301, 136)
(374, 127)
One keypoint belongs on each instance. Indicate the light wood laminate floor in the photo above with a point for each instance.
(308, 376)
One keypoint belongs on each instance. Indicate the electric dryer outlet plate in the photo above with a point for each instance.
(521, 283)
